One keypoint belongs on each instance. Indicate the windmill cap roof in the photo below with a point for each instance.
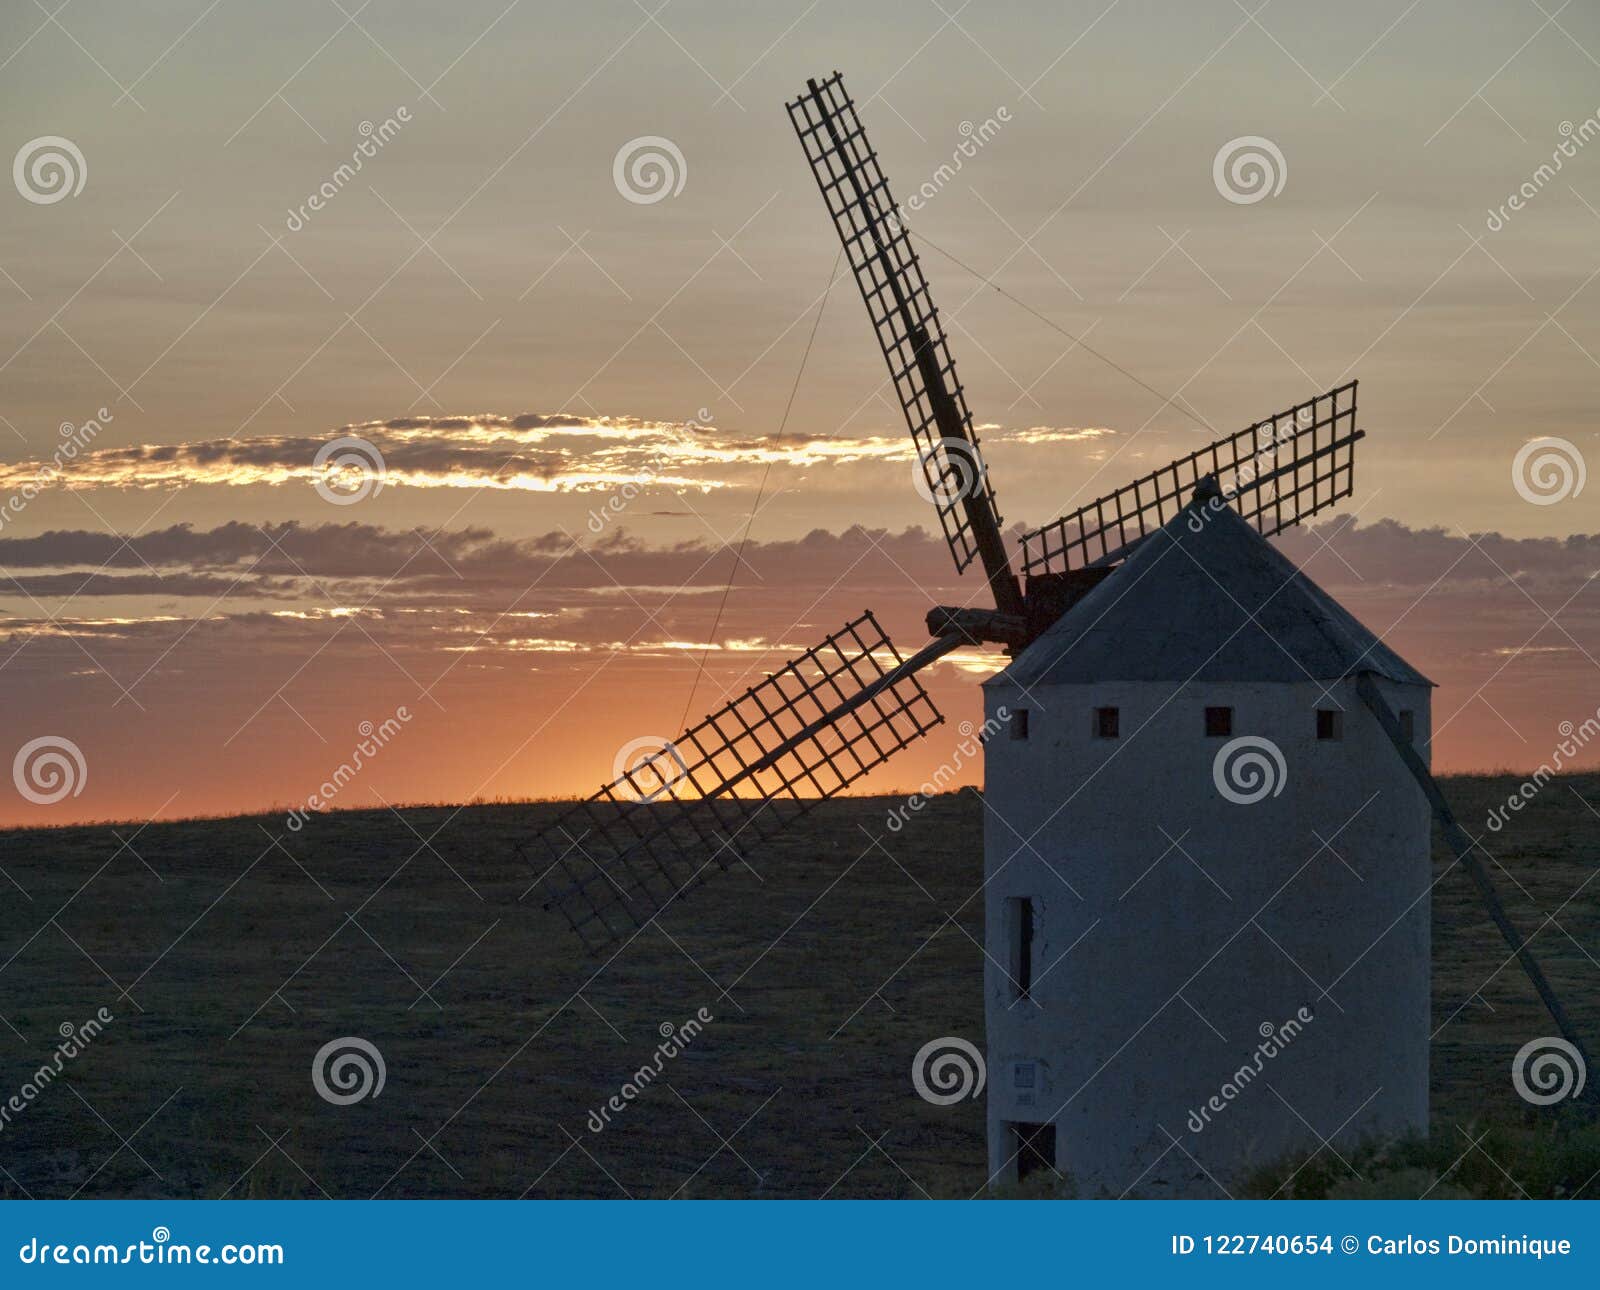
(1206, 598)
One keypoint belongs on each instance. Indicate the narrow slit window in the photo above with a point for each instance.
(1019, 724)
(1408, 725)
(1021, 966)
(1107, 723)
(1330, 724)
(1219, 723)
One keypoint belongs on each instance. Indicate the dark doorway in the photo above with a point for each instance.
(1035, 1145)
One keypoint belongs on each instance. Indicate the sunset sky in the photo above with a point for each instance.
(576, 394)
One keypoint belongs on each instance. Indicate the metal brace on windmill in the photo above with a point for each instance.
(1206, 809)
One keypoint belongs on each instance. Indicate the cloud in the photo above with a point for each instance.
(78, 584)
(1388, 553)
(532, 452)
(333, 622)
(471, 563)
(1460, 606)
(1035, 435)
(476, 563)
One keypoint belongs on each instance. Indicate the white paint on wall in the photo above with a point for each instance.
(1172, 925)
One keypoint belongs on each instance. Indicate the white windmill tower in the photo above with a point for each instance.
(1207, 875)
(1157, 603)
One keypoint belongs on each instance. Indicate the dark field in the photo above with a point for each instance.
(227, 961)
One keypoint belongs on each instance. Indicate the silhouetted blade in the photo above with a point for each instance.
(1275, 473)
(683, 810)
(903, 314)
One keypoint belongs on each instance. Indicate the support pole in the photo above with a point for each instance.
(1464, 849)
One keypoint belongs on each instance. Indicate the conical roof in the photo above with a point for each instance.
(1206, 598)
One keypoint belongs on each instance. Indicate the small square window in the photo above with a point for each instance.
(1408, 725)
(1330, 723)
(1219, 723)
(1107, 723)
(1019, 724)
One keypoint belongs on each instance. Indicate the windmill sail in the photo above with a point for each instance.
(700, 803)
(1276, 473)
(908, 329)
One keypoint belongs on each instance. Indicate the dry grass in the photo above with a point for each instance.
(240, 959)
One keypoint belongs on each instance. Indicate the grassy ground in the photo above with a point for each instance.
(227, 959)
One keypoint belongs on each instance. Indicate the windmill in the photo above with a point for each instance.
(826, 719)
(848, 704)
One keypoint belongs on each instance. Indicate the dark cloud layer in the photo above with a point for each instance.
(1341, 553)
(243, 640)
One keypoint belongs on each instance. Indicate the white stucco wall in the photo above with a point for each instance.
(1171, 925)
